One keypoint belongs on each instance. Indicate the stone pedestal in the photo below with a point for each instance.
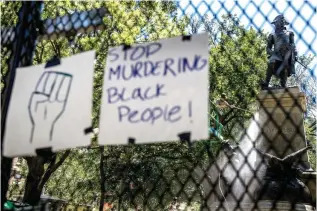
(281, 121)
(280, 132)
(309, 178)
(264, 205)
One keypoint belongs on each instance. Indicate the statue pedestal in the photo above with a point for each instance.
(264, 205)
(280, 132)
(309, 178)
(281, 114)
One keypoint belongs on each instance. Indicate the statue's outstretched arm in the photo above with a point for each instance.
(295, 155)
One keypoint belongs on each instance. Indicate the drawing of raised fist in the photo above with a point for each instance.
(47, 103)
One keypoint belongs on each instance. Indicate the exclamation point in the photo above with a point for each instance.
(190, 110)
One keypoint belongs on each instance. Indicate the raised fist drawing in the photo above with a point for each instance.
(47, 103)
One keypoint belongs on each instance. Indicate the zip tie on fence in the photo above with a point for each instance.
(126, 47)
(53, 62)
(186, 38)
(131, 140)
(185, 137)
(88, 130)
(46, 153)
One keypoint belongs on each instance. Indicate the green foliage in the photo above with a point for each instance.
(9, 17)
(77, 180)
(158, 171)
(310, 130)
(160, 168)
(237, 64)
(9, 13)
(126, 22)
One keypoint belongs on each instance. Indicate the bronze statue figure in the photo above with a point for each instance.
(281, 52)
(282, 180)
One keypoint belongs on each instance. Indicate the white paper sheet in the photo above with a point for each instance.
(155, 91)
(50, 107)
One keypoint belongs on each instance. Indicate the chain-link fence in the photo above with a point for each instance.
(255, 158)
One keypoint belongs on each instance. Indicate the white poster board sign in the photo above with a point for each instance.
(155, 91)
(50, 107)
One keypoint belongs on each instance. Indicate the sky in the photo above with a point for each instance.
(260, 13)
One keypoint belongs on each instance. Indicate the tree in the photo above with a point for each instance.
(125, 23)
(155, 169)
(38, 175)
(150, 175)
(310, 132)
(148, 22)
(237, 64)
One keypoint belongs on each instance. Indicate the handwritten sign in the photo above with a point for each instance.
(44, 109)
(155, 91)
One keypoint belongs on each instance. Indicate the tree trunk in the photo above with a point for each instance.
(32, 192)
(37, 177)
(102, 179)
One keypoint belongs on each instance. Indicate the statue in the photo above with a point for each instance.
(283, 56)
(282, 179)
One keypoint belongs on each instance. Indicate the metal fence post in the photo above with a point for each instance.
(26, 32)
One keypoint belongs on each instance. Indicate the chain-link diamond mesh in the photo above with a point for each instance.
(255, 158)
